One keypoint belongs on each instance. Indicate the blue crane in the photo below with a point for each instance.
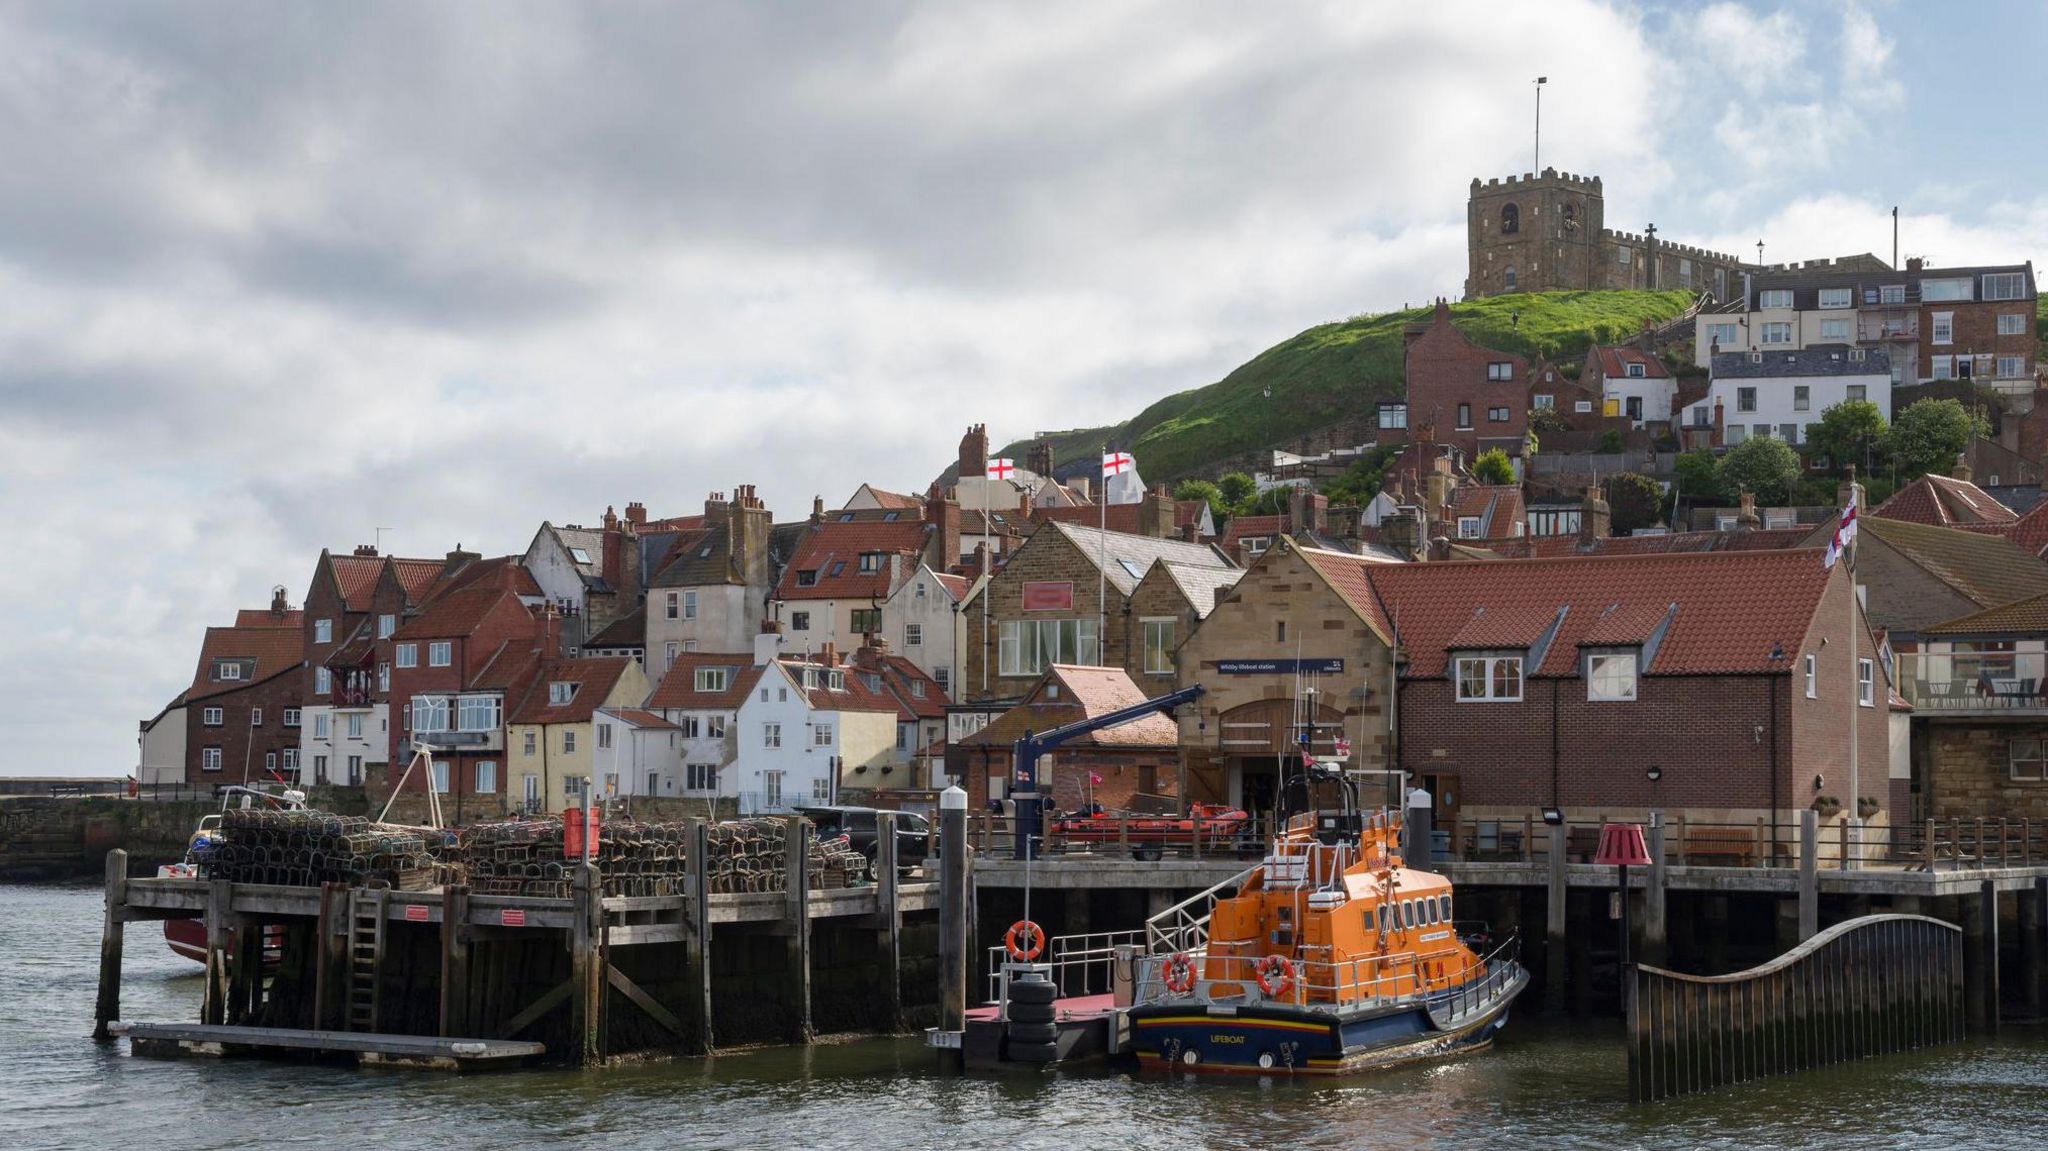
(1025, 753)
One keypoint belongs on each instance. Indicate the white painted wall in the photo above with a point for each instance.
(727, 620)
(923, 600)
(1776, 400)
(162, 755)
(635, 753)
(806, 773)
(373, 744)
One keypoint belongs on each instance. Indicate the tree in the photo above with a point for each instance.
(1201, 490)
(1635, 501)
(1610, 443)
(1699, 476)
(1363, 479)
(1928, 436)
(1493, 467)
(1237, 490)
(1847, 433)
(1767, 467)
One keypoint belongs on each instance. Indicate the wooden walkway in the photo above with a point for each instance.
(403, 1050)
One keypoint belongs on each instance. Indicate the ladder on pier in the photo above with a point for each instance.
(365, 959)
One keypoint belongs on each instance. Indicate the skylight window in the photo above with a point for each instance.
(892, 517)
(846, 518)
(1132, 568)
(838, 566)
(579, 555)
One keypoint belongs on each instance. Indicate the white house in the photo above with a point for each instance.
(1783, 393)
(162, 742)
(923, 622)
(643, 750)
(1631, 382)
(701, 696)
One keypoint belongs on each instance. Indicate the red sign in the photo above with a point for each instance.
(511, 918)
(416, 913)
(1049, 595)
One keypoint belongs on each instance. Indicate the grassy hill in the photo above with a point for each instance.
(1339, 371)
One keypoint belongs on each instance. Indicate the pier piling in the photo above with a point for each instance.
(1556, 910)
(1654, 908)
(108, 1007)
(953, 913)
(797, 928)
(697, 934)
(1809, 874)
(888, 924)
(1980, 957)
(2033, 929)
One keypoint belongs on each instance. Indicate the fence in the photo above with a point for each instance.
(1871, 986)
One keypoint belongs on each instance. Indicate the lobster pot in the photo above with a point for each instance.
(307, 848)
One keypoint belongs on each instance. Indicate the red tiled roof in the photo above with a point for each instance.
(638, 718)
(260, 652)
(1732, 609)
(2030, 532)
(1085, 692)
(596, 677)
(1614, 361)
(1251, 527)
(1346, 575)
(832, 552)
(264, 617)
(892, 500)
(678, 688)
(1671, 543)
(918, 695)
(1943, 501)
(456, 613)
(1498, 508)
(416, 577)
(956, 586)
(356, 576)
(854, 695)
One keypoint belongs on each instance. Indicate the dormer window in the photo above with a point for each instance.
(560, 692)
(872, 681)
(1611, 677)
(807, 578)
(835, 681)
(711, 679)
(227, 671)
(870, 562)
(1635, 371)
(1488, 678)
(846, 518)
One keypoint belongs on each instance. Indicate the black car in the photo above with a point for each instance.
(913, 831)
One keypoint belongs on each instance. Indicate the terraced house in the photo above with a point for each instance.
(553, 736)
(244, 705)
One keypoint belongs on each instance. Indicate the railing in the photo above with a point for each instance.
(995, 837)
(1182, 927)
(1871, 986)
(1397, 977)
(352, 698)
(1903, 327)
(1973, 681)
(1080, 964)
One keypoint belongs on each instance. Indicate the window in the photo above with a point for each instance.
(407, 654)
(1507, 278)
(771, 735)
(1158, 646)
(211, 717)
(714, 726)
(672, 608)
(1834, 331)
(561, 692)
(821, 735)
(1621, 255)
(209, 759)
(227, 670)
(1774, 298)
(477, 713)
(1736, 434)
(1497, 415)
(800, 621)
(319, 725)
(1510, 219)
(2029, 765)
(383, 677)
(1943, 328)
(1955, 289)
(568, 741)
(943, 676)
(700, 777)
(604, 736)
(1702, 416)
(1489, 677)
(1685, 272)
(486, 777)
(1393, 415)
(1500, 370)
(1780, 333)
(870, 562)
(1836, 298)
(1468, 527)
(532, 743)
(917, 685)
(572, 785)
(352, 725)
(1942, 367)
(1582, 406)
(2005, 286)
(2012, 323)
(1722, 335)
(1611, 678)
(689, 605)
(867, 620)
(386, 624)
(1892, 294)
(1866, 673)
(1789, 433)
(1745, 399)
(323, 681)
(711, 679)
(291, 717)
(441, 776)
(291, 759)
(1802, 398)
(913, 635)
(355, 770)
(1762, 431)
(429, 713)
(1464, 415)
(902, 737)
(1029, 646)
(1858, 391)
(440, 653)
(692, 726)
(323, 631)
(2012, 367)
(255, 717)
(1543, 403)
(807, 578)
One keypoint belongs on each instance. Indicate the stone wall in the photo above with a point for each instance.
(1968, 771)
(62, 839)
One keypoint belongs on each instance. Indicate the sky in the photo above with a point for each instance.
(282, 276)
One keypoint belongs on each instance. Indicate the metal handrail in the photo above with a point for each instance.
(1178, 929)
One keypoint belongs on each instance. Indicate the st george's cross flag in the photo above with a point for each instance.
(1001, 469)
(1844, 532)
(1117, 463)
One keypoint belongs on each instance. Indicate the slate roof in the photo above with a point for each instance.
(1803, 362)
(1987, 569)
(1199, 584)
(678, 688)
(258, 652)
(1121, 517)
(832, 551)
(1944, 501)
(1670, 543)
(596, 675)
(698, 559)
(895, 500)
(1118, 549)
(626, 631)
(1084, 692)
(2027, 617)
(590, 541)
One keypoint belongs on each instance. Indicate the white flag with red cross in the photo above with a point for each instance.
(1117, 463)
(1001, 469)
(1845, 531)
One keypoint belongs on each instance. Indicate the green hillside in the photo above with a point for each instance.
(1337, 371)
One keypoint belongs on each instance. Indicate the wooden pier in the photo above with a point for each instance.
(587, 977)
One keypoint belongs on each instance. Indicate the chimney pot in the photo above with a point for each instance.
(1962, 469)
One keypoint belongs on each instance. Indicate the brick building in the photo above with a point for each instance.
(1472, 397)
(243, 708)
(1109, 767)
(1980, 714)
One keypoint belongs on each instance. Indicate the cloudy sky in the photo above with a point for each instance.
(273, 276)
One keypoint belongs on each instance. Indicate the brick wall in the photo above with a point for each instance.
(1444, 370)
(1821, 724)
(1976, 331)
(1125, 773)
(323, 602)
(241, 744)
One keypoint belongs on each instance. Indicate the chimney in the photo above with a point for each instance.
(942, 543)
(550, 630)
(1191, 532)
(1718, 425)
(457, 560)
(974, 452)
(714, 505)
(1746, 519)
(1080, 486)
(1596, 520)
(611, 519)
(1915, 263)
(747, 540)
(767, 643)
(817, 509)
(636, 514)
(1437, 489)
(1403, 532)
(1040, 460)
(279, 606)
(1156, 514)
(365, 550)
(1440, 548)
(1307, 511)
(1962, 469)
(828, 654)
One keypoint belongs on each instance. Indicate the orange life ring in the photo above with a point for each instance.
(1178, 973)
(1024, 940)
(1276, 976)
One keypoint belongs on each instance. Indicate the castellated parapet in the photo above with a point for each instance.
(1546, 231)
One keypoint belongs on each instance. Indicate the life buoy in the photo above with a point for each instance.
(1024, 940)
(1276, 975)
(1178, 973)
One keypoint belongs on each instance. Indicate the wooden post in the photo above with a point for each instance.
(889, 922)
(797, 923)
(213, 1008)
(380, 903)
(953, 896)
(1980, 958)
(697, 941)
(454, 961)
(2033, 928)
(582, 966)
(1554, 957)
(1653, 896)
(330, 959)
(1809, 874)
(108, 1007)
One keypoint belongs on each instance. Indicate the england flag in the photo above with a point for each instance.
(1845, 531)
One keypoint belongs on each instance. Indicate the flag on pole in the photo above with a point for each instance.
(1001, 469)
(1117, 463)
(1095, 777)
(1845, 531)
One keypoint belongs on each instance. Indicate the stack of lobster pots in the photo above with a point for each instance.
(526, 857)
(305, 848)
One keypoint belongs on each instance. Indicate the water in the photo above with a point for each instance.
(1548, 1084)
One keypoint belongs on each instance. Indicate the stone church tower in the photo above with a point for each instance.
(1534, 233)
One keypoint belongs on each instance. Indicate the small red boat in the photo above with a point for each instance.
(1149, 835)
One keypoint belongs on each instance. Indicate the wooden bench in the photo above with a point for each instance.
(67, 789)
(1721, 846)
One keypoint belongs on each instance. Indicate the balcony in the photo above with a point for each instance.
(463, 740)
(353, 698)
(1974, 682)
(1903, 327)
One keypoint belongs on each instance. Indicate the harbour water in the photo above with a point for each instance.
(1549, 1084)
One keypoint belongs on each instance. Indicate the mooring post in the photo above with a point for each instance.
(797, 923)
(454, 961)
(889, 923)
(1980, 958)
(2033, 923)
(108, 1008)
(330, 958)
(1809, 874)
(213, 1007)
(1653, 896)
(583, 974)
(1555, 914)
(697, 937)
(953, 914)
